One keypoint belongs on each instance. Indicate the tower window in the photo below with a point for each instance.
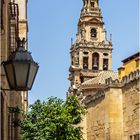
(105, 54)
(82, 79)
(95, 61)
(93, 32)
(85, 63)
(92, 4)
(86, 53)
(105, 64)
(137, 137)
(131, 137)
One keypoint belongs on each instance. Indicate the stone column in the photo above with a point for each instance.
(100, 61)
(81, 59)
(110, 62)
(77, 78)
(90, 60)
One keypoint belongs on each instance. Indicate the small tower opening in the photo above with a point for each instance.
(105, 64)
(82, 79)
(93, 32)
(85, 63)
(92, 4)
(95, 61)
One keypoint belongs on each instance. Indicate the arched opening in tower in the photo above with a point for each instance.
(93, 32)
(95, 61)
(85, 63)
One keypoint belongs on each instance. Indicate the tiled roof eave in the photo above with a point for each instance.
(92, 86)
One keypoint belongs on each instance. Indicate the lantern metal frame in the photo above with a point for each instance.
(15, 66)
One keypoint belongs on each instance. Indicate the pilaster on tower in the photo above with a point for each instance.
(92, 51)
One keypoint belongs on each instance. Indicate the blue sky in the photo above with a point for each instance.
(52, 24)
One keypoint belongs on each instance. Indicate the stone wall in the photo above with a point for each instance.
(104, 116)
(131, 110)
(4, 96)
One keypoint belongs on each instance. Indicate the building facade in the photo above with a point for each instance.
(113, 111)
(13, 24)
(111, 98)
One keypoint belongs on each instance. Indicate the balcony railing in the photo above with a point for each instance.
(14, 12)
(13, 23)
(1, 14)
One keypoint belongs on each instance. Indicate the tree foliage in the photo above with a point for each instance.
(54, 119)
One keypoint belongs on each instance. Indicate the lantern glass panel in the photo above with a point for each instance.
(10, 74)
(32, 74)
(21, 72)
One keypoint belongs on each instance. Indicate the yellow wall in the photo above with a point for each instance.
(128, 67)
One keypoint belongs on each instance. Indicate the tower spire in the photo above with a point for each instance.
(92, 52)
(90, 5)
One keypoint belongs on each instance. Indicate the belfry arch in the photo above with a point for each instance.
(95, 61)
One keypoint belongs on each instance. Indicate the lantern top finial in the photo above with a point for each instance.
(21, 54)
(21, 42)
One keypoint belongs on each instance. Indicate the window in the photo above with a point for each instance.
(1, 22)
(105, 64)
(137, 137)
(93, 32)
(95, 61)
(85, 62)
(86, 53)
(105, 54)
(92, 4)
(131, 137)
(82, 79)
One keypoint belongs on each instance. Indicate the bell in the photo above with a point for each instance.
(95, 66)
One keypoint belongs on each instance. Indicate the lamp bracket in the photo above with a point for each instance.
(7, 89)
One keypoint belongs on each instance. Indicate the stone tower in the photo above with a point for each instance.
(91, 52)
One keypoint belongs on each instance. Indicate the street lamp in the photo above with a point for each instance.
(20, 68)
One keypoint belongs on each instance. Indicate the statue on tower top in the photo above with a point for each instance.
(90, 6)
(90, 3)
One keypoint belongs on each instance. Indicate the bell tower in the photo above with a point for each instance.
(92, 51)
